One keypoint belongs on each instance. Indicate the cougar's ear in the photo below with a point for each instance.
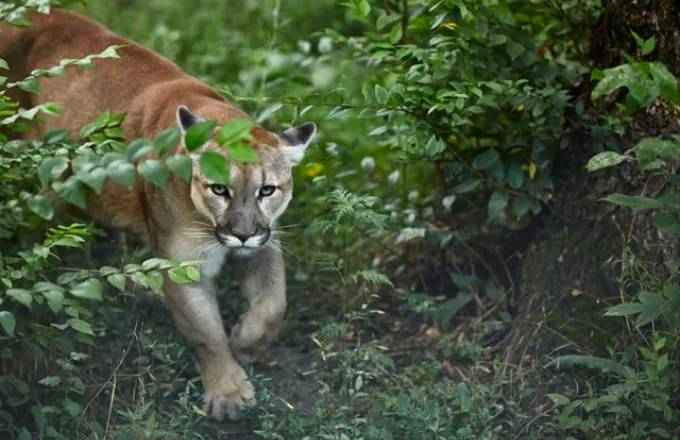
(185, 119)
(296, 140)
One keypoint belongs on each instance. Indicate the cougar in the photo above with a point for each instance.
(200, 220)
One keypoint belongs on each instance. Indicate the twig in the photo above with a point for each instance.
(112, 376)
(272, 42)
(439, 177)
(585, 13)
(404, 23)
(506, 269)
(113, 395)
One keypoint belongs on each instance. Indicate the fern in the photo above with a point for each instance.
(328, 262)
(372, 277)
(358, 209)
(323, 226)
(331, 332)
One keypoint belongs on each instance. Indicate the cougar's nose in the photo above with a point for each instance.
(241, 230)
(241, 235)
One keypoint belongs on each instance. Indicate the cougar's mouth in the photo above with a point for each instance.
(233, 241)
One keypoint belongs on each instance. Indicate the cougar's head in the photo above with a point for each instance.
(243, 212)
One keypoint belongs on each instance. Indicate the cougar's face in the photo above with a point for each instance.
(243, 212)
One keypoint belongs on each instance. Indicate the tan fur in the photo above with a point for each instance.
(185, 222)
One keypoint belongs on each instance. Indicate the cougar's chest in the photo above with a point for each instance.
(210, 253)
(213, 259)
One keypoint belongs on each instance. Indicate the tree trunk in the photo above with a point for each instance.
(570, 272)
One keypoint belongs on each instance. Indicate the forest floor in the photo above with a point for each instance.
(143, 382)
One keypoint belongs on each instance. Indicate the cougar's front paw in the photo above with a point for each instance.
(229, 395)
(251, 336)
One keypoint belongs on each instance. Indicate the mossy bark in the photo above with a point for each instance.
(570, 272)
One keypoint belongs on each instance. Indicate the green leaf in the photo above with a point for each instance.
(138, 149)
(648, 46)
(141, 279)
(42, 206)
(107, 270)
(193, 274)
(653, 308)
(29, 85)
(116, 120)
(24, 435)
(241, 152)
(650, 149)
(214, 167)
(51, 169)
(604, 160)
(50, 381)
(199, 134)
(235, 130)
(671, 200)
(89, 289)
(625, 309)
(80, 326)
(497, 40)
(3, 64)
(521, 206)
(452, 307)
(114, 133)
(154, 171)
(87, 130)
(467, 186)
(638, 203)
(463, 281)
(103, 119)
(8, 322)
(21, 296)
(117, 280)
(72, 190)
(155, 281)
(662, 363)
(515, 49)
(56, 135)
(485, 160)
(515, 176)
(638, 39)
(181, 166)
(178, 275)
(395, 34)
(152, 263)
(55, 299)
(364, 7)
(497, 203)
(94, 178)
(666, 82)
(667, 222)
(122, 172)
(384, 19)
(559, 399)
(381, 94)
(166, 141)
(614, 78)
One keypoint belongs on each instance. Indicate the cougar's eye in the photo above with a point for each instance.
(219, 190)
(267, 190)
